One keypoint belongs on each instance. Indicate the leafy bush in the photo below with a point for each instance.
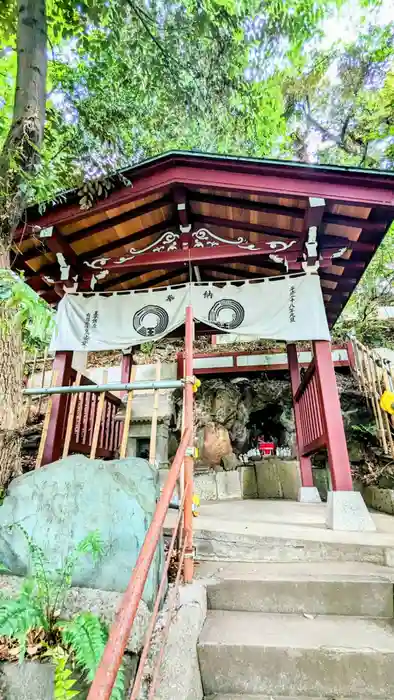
(77, 644)
(32, 315)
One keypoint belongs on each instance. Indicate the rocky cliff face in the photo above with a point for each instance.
(231, 413)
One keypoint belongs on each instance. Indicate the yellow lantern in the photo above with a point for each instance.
(387, 402)
(196, 505)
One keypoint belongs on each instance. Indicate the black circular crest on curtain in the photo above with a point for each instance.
(150, 320)
(227, 314)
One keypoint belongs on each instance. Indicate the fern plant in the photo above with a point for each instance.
(77, 643)
(63, 681)
(87, 636)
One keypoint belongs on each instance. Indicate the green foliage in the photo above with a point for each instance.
(64, 682)
(80, 641)
(342, 99)
(362, 315)
(126, 80)
(364, 432)
(87, 636)
(18, 617)
(148, 347)
(32, 315)
(42, 594)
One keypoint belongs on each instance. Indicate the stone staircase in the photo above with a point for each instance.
(297, 631)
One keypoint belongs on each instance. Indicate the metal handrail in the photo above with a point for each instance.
(105, 677)
(112, 386)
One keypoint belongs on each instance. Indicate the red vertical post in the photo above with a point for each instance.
(125, 369)
(179, 365)
(54, 440)
(338, 457)
(350, 355)
(305, 462)
(188, 461)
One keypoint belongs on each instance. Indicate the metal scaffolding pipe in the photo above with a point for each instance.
(113, 386)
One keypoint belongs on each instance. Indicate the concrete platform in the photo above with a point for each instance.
(291, 655)
(258, 530)
(276, 697)
(332, 588)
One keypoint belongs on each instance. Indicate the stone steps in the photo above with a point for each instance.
(336, 589)
(297, 631)
(212, 545)
(291, 655)
(277, 697)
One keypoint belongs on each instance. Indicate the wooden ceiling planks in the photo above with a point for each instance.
(229, 214)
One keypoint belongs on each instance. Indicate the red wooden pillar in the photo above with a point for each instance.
(180, 371)
(54, 440)
(305, 462)
(125, 369)
(188, 566)
(338, 457)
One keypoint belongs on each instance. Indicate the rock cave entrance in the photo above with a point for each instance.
(232, 413)
(267, 422)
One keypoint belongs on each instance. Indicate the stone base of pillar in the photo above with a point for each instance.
(346, 510)
(308, 494)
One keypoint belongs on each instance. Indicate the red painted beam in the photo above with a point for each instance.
(58, 244)
(246, 205)
(343, 262)
(282, 181)
(243, 274)
(328, 241)
(294, 212)
(182, 257)
(106, 224)
(264, 230)
(126, 217)
(339, 279)
(353, 222)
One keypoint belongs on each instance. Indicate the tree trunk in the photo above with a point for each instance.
(19, 158)
(21, 149)
(11, 399)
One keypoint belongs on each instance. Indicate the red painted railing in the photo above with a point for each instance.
(308, 398)
(269, 360)
(84, 421)
(318, 417)
(182, 471)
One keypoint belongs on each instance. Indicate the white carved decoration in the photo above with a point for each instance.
(310, 267)
(311, 243)
(201, 239)
(339, 253)
(50, 280)
(99, 276)
(166, 242)
(64, 268)
(279, 260)
(206, 239)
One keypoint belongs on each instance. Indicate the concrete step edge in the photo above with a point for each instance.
(304, 632)
(231, 696)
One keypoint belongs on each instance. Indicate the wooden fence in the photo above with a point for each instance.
(85, 423)
(374, 376)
